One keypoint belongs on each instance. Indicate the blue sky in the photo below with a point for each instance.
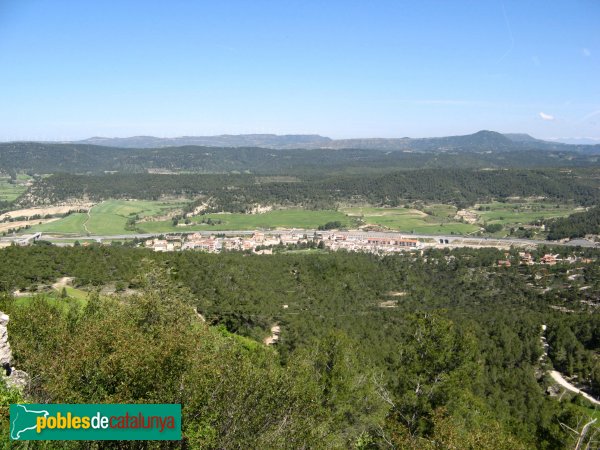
(75, 69)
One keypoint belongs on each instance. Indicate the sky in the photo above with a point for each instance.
(345, 69)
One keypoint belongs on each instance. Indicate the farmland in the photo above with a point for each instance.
(8, 191)
(109, 217)
(515, 213)
(437, 220)
(116, 217)
(287, 218)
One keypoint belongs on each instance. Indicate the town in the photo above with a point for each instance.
(263, 243)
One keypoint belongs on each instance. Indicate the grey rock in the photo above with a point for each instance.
(5, 352)
(14, 378)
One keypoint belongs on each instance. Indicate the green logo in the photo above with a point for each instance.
(95, 422)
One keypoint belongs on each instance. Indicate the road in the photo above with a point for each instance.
(556, 376)
(449, 240)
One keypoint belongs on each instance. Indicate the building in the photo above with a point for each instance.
(549, 259)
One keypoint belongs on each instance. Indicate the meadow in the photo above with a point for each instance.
(109, 217)
(437, 220)
(520, 213)
(74, 296)
(71, 224)
(10, 192)
(285, 218)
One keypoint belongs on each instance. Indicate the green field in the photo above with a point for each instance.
(74, 297)
(440, 210)
(412, 220)
(520, 213)
(73, 223)
(109, 217)
(287, 218)
(10, 192)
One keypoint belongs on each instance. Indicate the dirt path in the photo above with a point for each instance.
(86, 221)
(557, 376)
(200, 316)
(62, 282)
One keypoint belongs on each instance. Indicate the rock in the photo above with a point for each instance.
(18, 379)
(553, 390)
(5, 353)
(14, 378)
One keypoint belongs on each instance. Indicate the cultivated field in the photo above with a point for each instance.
(43, 211)
(412, 220)
(287, 218)
(520, 213)
(9, 192)
(5, 226)
(72, 224)
(109, 217)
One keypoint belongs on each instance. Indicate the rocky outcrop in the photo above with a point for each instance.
(5, 353)
(12, 377)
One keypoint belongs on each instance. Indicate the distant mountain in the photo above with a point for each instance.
(521, 137)
(482, 141)
(577, 141)
(482, 150)
(226, 140)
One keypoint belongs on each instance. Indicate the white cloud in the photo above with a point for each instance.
(545, 116)
(586, 52)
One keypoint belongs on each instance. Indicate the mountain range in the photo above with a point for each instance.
(291, 154)
(481, 141)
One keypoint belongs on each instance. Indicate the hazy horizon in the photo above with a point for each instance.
(566, 140)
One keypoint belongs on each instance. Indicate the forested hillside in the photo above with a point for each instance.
(238, 193)
(430, 351)
(82, 158)
(576, 225)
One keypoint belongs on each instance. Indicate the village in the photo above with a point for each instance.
(263, 243)
(548, 259)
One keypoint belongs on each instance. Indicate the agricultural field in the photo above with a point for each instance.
(437, 220)
(109, 217)
(72, 224)
(10, 192)
(520, 213)
(286, 218)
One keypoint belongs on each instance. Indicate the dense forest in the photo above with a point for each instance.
(433, 350)
(576, 225)
(238, 193)
(42, 158)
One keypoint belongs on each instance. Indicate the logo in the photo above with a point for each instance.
(31, 422)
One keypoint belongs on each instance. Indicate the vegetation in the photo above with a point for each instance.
(110, 217)
(10, 189)
(241, 193)
(43, 158)
(411, 220)
(454, 361)
(576, 225)
(433, 349)
(286, 218)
